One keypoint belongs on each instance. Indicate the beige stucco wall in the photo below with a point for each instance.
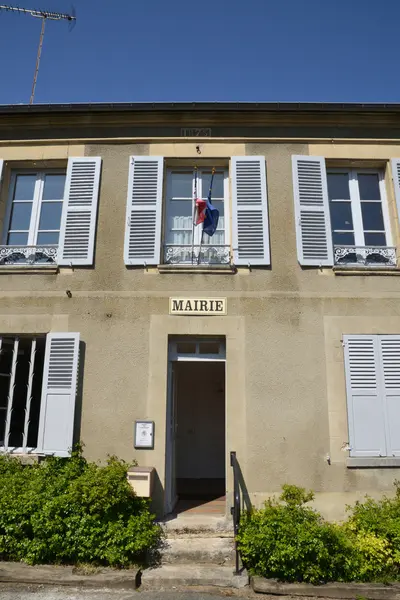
(285, 396)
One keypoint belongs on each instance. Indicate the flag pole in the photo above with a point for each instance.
(209, 200)
(194, 208)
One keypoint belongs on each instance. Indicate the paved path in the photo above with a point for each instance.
(40, 592)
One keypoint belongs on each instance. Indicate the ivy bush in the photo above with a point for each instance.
(70, 511)
(290, 541)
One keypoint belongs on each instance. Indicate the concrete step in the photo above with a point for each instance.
(198, 551)
(202, 524)
(168, 576)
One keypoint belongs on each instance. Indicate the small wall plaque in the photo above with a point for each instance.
(144, 434)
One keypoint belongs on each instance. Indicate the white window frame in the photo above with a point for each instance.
(199, 228)
(37, 202)
(355, 204)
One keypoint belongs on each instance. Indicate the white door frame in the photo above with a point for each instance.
(170, 449)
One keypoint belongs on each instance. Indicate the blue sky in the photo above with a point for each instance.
(210, 50)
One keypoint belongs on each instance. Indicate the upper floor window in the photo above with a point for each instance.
(33, 217)
(359, 215)
(185, 242)
(50, 215)
(342, 215)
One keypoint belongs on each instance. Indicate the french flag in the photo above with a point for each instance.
(199, 211)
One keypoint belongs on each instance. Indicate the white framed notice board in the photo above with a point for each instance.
(144, 434)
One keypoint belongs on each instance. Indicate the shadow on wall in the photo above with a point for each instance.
(246, 503)
(79, 394)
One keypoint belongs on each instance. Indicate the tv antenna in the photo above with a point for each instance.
(44, 15)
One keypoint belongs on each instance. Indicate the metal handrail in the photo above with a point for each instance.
(235, 509)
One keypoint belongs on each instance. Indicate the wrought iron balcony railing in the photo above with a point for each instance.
(197, 255)
(28, 255)
(371, 256)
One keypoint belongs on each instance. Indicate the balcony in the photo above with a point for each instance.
(25, 256)
(365, 256)
(197, 255)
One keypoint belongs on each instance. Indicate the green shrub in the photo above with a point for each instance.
(379, 517)
(291, 542)
(72, 511)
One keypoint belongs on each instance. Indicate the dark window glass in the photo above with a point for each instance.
(375, 239)
(368, 185)
(21, 215)
(24, 187)
(209, 348)
(341, 217)
(17, 239)
(372, 215)
(53, 187)
(48, 238)
(186, 348)
(50, 215)
(343, 239)
(218, 185)
(338, 186)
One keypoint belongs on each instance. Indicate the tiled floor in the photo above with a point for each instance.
(191, 506)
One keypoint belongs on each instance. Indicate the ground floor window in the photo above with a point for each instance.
(38, 386)
(21, 376)
(372, 364)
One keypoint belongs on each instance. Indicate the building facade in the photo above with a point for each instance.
(278, 337)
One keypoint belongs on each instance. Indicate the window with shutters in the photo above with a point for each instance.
(359, 217)
(372, 364)
(21, 377)
(38, 379)
(32, 222)
(185, 242)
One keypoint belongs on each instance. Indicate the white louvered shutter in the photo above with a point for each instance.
(311, 204)
(365, 404)
(56, 423)
(389, 346)
(143, 211)
(250, 211)
(78, 221)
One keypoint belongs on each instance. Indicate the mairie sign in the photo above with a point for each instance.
(197, 306)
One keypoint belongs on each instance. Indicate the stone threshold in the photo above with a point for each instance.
(350, 591)
(104, 577)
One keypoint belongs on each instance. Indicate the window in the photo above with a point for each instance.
(359, 217)
(21, 375)
(184, 242)
(38, 377)
(32, 223)
(372, 364)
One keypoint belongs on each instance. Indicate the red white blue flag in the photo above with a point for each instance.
(199, 211)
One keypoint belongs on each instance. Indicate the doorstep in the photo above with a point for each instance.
(199, 576)
(11, 572)
(367, 591)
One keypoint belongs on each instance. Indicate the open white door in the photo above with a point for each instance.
(170, 467)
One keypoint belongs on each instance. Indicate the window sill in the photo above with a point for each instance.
(367, 270)
(28, 269)
(373, 462)
(203, 269)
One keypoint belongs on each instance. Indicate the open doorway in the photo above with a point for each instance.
(196, 449)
